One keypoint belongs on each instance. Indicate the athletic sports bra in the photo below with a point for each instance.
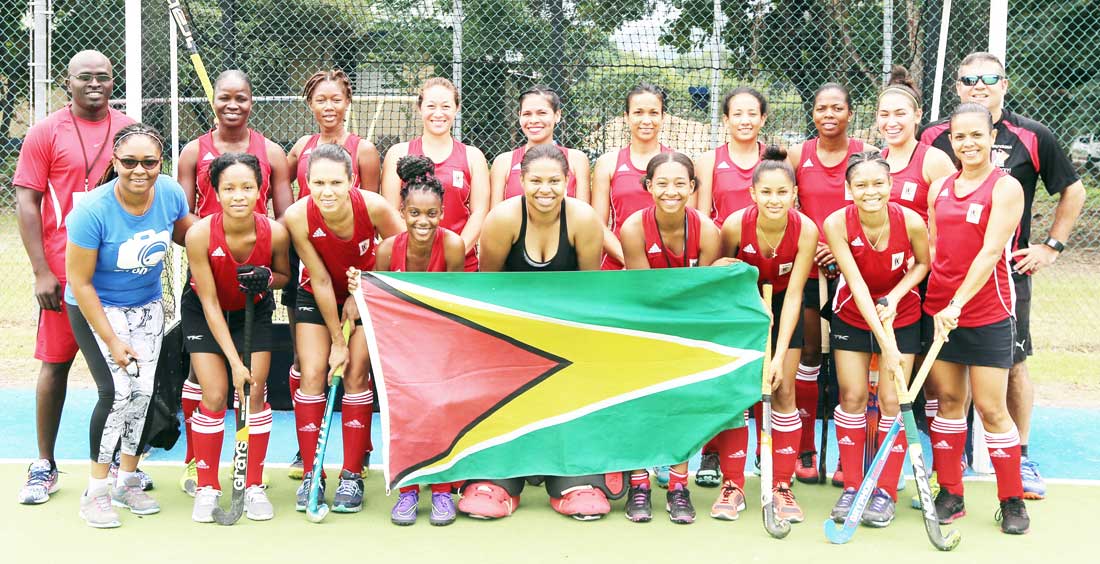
(565, 259)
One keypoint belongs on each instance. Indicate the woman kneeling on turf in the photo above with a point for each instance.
(334, 230)
(232, 254)
(882, 250)
(650, 239)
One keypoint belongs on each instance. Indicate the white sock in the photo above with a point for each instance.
(97, 484)
(122, 476)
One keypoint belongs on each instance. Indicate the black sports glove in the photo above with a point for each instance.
(254, 279)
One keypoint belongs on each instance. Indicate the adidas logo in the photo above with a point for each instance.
(218, 252)
(785, 450)
(722, 165)
(319, 233)
(898, 449)
(999, 454)
(309, 428)
(202, 465)
(846, 441)
(808, 164)
(655, 249)
(623, 168)
(942, 445)
(750, 249)
(208, 156)
(517, 167)
(306, 152)
(353, 424)
(857, 242)
(738, 454)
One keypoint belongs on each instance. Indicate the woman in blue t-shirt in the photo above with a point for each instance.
(118, 236)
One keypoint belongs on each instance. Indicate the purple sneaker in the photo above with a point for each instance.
(404, 511)
(443, 509)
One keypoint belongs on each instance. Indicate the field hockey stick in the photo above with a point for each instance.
(316, 508)
(240, 451)
(776, 528)
(175, 8)
(823, 375)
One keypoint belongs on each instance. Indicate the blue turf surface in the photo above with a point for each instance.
(1059, 436)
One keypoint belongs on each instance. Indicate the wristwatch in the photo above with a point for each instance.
(954, 303)
(1054, 244)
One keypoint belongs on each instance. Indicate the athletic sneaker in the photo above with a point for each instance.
(349, 494)
(679, 507)
(404, 511)
(639, 508)
(805, 469)
(933, 486)
(130, 495)
(949, 507)
(295, 472)
(730, 502)
(662, 476)
(96, 510)
(1034, 486)
(583, 503)
(189, 481)
(206, 499)
(880, 509)
(486, 500)
(838, 477)
(1013, 516)
(112, 473)
(256, 505)
(443, 509)
(709, 474)
(41, 482)
(786, 506)
(843, 505)
(302, 496)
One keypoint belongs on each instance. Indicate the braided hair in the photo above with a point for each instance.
(417, 174)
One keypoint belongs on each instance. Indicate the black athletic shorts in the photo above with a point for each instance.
(777, 311)
(988, 345)
(306, 310)
(290, 292)
(847, 337)
(1021, 347)
(197, 337)
(810, 299)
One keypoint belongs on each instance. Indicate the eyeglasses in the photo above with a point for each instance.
(130, 164)
(987, 79)
(87, 77)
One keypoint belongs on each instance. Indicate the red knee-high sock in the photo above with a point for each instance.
(356, 415)
(786, 433)
(441, 488)
(677, 479)
(732, 447)
(805, 398)
(888, 480)
(259, 434)
(639, 478)
(931, 408)
(209, 429)
(294, 381)
(190, 398)
(308, 413)
(851, 440)
(1004, 453)
(711, 446)
(948, 441)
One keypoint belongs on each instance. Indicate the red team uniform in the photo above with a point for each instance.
(436, 263)
(63, 157)
(909, 188)
(730, 184)
(454, 174)
(628, 195)
(207, 195)
(351, 144)
(659, 255)
(513, 187)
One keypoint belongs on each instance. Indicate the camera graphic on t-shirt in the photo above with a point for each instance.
(143, 251)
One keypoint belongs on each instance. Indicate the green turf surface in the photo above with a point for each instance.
(54, 533)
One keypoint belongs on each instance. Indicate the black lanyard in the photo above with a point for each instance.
(83, 152)
(664, 247)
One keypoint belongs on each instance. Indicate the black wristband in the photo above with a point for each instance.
(1054, 244)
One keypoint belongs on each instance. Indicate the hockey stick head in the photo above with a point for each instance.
(317, 513)
(776, 528)
(837, 533)
(236, 509)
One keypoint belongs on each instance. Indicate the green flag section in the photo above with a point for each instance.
(496, 375)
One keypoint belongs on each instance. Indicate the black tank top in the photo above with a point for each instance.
(564, 260)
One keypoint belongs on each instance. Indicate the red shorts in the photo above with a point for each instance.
(55, 342)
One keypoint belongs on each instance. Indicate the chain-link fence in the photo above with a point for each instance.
(591, 52)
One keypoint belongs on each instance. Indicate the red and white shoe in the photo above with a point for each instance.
(486, 500)
(583, 503)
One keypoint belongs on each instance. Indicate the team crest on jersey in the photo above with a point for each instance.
(749, 249)
(655, 249)
(909, 191)
(723, 165)
(208, 156)
(364, 246)
(857, 242)
(896, 260)
(457, 178)
(785, 268)
(319, 233)
(974, 213)
(218, 252)
(999, 157)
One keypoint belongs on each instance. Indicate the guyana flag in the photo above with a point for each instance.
(498, 375)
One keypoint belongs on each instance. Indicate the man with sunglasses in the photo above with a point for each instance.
(1028, 151)
(61, 160)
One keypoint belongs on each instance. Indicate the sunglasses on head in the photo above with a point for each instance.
(87, 77)
(130, 164)
(987, 79)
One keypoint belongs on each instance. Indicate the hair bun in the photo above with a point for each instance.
(899, 76)
(410, 167)
(775, 153)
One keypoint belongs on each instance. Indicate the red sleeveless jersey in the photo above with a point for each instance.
(514, 187)
(881, 270)
(224, 267)
(777, 268)
(454, 174)
(730, 184)
(208, 198)
(352, 146)
(909, 188)
(821, 189)
(658, 254)
(340, 254)
(627, 196)
(436, 263)
(961, 223)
